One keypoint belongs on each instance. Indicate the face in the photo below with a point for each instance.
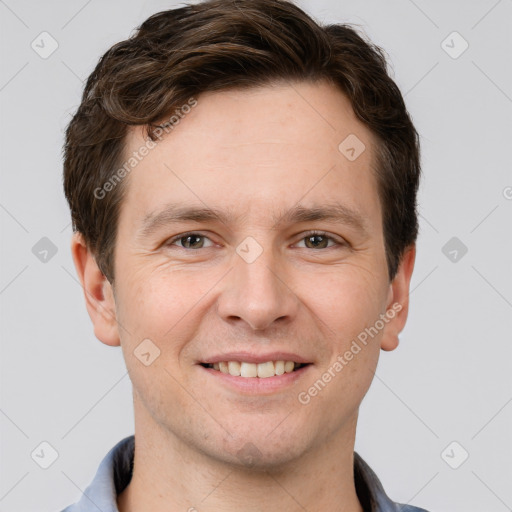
(286, 275)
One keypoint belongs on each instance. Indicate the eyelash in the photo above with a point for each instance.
(306, 235)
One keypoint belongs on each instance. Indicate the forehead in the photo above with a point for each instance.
(257, 152)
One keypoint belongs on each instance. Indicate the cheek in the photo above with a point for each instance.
(156, 306)
(166, 306)
(347, 301)
(154, 302)
(349, 305)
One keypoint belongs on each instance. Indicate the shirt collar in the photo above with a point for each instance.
(115, 472)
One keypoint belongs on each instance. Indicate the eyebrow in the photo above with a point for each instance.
(175, 213)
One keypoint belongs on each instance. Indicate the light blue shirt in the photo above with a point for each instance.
(115, 472)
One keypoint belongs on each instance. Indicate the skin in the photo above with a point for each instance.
(257, 152)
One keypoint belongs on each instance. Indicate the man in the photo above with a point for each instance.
(242, 183)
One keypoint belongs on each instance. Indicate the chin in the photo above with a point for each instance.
(257, 450)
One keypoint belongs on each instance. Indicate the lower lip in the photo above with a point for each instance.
(255, 385)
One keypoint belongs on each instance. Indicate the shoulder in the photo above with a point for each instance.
(113, 474)
(371, 493)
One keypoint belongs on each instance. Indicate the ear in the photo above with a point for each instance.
(398, 300)
(98, 293)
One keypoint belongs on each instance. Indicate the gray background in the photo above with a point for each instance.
(450, 378)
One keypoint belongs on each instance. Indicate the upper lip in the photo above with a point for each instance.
(251, 357)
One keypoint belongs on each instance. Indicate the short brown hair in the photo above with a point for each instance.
(222, 44)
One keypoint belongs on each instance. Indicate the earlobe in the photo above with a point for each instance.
(398, 300)
(98, 293)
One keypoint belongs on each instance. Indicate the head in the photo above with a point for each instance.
(262, 119)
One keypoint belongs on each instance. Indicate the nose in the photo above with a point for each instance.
(257, 293)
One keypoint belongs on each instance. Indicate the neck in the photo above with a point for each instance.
(169, 475)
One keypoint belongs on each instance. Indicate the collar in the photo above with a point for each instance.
(115, 473)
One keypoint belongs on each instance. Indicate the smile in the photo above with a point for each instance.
(255, 370)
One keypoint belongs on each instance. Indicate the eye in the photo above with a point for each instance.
(189, 241)
(319, 240)
(313, 240)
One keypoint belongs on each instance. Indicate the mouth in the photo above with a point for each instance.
(255, 370)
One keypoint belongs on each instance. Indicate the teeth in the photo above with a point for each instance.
(248, 370)
(261, 370)
(234, 368)
(266, 370)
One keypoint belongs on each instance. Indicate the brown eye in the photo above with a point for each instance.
(189, 241)
(319, 240)
(316, 241)
(192, 241)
